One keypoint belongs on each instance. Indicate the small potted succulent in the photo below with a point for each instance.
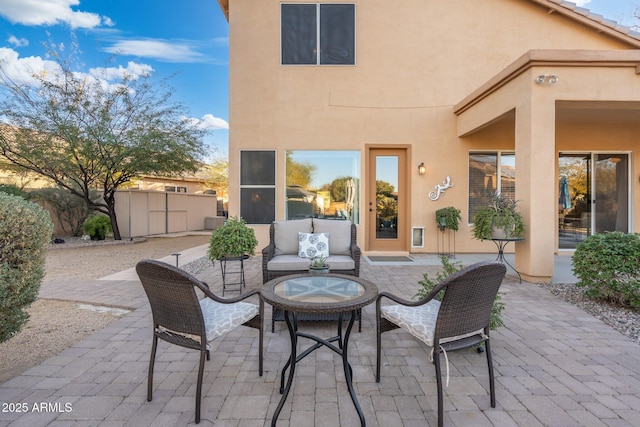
(234, 239)
(318, 265)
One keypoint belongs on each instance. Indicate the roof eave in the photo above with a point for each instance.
(597, 22)
(224, 5)
(550, 58)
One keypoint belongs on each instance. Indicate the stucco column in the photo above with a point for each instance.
(535, 185)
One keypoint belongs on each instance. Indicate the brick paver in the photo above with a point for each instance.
(555, 366)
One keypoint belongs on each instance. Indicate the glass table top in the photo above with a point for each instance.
(318, 289)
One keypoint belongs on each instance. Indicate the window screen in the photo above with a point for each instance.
(307, 29)
(257, 186)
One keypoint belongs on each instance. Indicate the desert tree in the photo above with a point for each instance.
(96, 130)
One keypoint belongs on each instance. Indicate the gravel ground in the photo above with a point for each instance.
(56, 325)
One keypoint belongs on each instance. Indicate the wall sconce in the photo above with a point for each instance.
(422, 169)
(550, 78)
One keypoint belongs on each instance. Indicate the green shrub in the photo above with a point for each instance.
(97, 226)
(25, 232)
(14, 190)
(608, 266)
(233, 239)
(449, 268)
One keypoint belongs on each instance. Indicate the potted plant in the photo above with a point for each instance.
(232, 240)
(318, 265)
(448, 217)
(500, 219)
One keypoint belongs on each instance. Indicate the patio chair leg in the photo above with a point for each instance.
(378, 350)
(152, 360)
(260, 347)
(492, 386)
(199, 386)
(436, 362)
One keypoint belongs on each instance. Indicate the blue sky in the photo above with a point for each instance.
(621, 11)
(188, 37)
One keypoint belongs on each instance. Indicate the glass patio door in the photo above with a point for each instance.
(386, 200)
(593, 195)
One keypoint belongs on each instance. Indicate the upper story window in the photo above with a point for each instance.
(318, 34)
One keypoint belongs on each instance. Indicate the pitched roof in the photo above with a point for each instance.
(598, 22)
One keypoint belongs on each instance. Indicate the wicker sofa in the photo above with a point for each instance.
(280, 257)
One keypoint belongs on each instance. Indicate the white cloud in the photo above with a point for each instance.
(22, 70)
(112, 73)
(209, 122)
(18, 42)
(156, 49)
(581, 3)
(50, 12)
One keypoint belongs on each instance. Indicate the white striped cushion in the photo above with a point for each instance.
(221, 318)
(420, 321)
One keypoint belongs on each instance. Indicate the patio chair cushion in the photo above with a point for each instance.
(340, 232)
(295, 263)
(286, 235)
(311, 245)
(419, 321)
(221, 318)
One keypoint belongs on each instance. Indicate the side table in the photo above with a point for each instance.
(501, 244)
(231, 274)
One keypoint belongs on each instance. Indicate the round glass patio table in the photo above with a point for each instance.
(320, 294)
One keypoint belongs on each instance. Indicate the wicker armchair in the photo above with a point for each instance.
(459, 321)
(180, 318)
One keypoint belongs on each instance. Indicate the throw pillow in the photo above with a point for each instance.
(311, 245)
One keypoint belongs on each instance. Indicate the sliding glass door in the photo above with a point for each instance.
(593, 195)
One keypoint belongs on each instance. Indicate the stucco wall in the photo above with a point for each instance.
(415, 59)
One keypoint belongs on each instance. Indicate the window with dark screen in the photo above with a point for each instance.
(318, 34)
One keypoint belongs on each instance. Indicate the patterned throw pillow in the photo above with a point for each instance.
(312, 245)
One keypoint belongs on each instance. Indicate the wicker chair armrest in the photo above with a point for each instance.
(269, 252)
(235, 299)
(355, 252)
(397, 299)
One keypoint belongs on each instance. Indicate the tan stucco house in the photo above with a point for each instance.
(518, 96)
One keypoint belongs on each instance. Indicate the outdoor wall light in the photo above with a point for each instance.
(422, 169)
(551, 78)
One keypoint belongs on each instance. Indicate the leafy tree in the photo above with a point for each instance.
(299, 173)
(85, 133)
(385, 188)
(338, 188)
(217, 177)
